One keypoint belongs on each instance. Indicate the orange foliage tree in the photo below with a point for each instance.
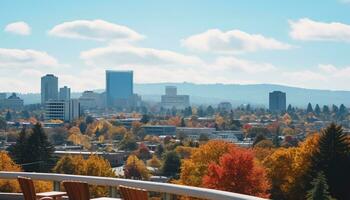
(7, 164)
(194, 168)
(287, 168)
(238, 172)
(93, 166)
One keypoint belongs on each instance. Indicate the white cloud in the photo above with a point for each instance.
(240, 65)
(307, 29)
(21, 69)
(344, 1)
(98, 30)
(129, 55)
(27, 58)
(234, 41)
(19, 28)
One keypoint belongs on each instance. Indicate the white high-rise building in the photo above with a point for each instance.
(66, 111)
(49, 88)
(64, 93)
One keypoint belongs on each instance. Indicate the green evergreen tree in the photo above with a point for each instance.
(39, 151)
(145, 119)
(289, 108)
(3, 124)
(183, 123)
(82, 127)
(188, 111)
(159, 151)
(319, 190)
(276, 140)
(89, 119)
(333, 158)
(200, 112)
(342, 112)
(8, 116)
(335, 109)
(18, 151)
(317, 109)
(210, 111)
(325, 109)
(172, 163)
(309, 108)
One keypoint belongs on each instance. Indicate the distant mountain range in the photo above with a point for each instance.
(255, 94)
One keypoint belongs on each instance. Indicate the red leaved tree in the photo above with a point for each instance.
(238, 172)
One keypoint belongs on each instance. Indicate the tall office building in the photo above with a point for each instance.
(119, 87)
(64, 93)
(277, 101)
(49, 88)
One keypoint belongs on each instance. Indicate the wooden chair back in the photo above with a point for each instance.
(77, 190)
(130, 193)
(27, 187)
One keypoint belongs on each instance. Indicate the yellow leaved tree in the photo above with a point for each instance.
(6, 164)
(194, 168)
(287, 167)
(93, 166)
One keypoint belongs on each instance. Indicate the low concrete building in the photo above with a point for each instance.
(127, 123)
(159, 130)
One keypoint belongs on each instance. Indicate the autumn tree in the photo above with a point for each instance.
(143, 152)
(194, 168)
(237, 172)
(287, 168)
(79, 139)
(93, 166)
(7, 164)
(333, 158)
(136, 169)
(154, 162)
(184, 151)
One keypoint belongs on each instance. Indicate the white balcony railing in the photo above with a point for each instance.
(170, 190)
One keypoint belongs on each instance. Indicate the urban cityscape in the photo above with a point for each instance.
(219, 126)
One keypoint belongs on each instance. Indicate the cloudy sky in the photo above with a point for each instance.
(296, 42)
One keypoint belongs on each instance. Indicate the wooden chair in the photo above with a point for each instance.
(77, 190)
(28, 190)
(130, 193)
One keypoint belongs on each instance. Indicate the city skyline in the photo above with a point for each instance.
(293, 44)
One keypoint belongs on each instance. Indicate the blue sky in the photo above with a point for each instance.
(298, 43)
